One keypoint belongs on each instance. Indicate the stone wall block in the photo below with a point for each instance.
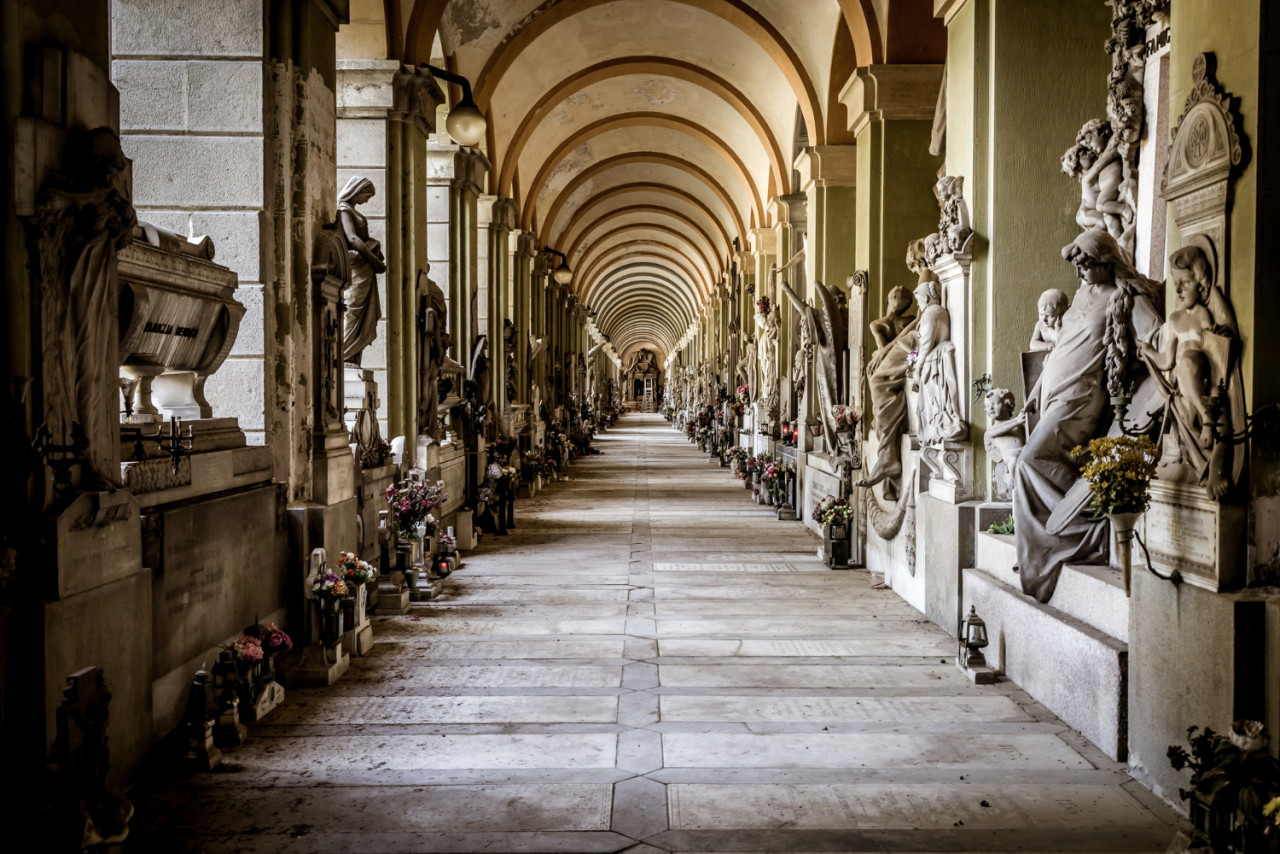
(184, 28)
(236, 391)
(362, 143)
(175, 171)
(237, 235)
(250, 338)
(152, 94)
(224, 96)
(438, 246)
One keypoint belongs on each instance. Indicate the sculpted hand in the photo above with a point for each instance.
(1031, 406)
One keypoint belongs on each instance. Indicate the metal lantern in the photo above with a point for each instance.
(973, 637)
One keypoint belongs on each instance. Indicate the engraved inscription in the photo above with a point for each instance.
(1179, 532)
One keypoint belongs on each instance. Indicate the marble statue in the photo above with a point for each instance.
(365, 262)
(509, 338)
(824, 329)
(1114, 308)
(1006, 435)
(1049, 308)
(767, 360)
(433, 345)
(478, 389)
(744, 373)
(1096, 162)
(1198, 369)
(940, 419)
(82, 219)
(895, 335)
(954, 235)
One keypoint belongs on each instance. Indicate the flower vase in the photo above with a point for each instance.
(330, 620)
(1124, 525)
(404, 556)
(348, 606)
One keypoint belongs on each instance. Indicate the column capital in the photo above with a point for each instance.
(827, 166)
(763, 241)
(384, 88)
(879, 92)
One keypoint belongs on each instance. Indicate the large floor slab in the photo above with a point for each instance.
(651, 663)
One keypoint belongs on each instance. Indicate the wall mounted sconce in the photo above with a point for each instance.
(561, 274)
(465, 123)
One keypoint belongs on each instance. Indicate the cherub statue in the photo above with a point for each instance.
(1050, 307)
(1005, 438)
(1096, 161)
(1197, 365)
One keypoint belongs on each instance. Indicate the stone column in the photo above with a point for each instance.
(1002, 96)
(385, 112)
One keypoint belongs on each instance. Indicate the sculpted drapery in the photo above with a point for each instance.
(1115, 308)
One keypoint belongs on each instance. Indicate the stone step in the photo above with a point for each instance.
(1079, 672)
(1092, 594)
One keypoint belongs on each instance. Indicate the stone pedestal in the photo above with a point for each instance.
(319, 666)
(465, 530)
(393, 595)
(357, 640)
(948, 466)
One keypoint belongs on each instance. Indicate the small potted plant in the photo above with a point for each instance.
(1119, 473)
(1235, 788)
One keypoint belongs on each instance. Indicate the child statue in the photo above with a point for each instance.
(1199, 374)
(1005, 438)
(1050, 307)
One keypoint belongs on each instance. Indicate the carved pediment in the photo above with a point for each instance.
(1206, 147)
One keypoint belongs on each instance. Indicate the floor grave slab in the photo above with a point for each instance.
(286, 757)
(881, 750)
(769, 708)
(698, 807)
(357, 711)
(809, 676)
(902, 642)
(427, 674)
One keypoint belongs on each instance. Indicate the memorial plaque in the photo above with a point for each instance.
(1199, 538)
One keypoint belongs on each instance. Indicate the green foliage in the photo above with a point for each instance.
(1004, 526)
(1233, 772)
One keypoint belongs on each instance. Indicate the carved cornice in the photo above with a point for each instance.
(827, 166)
(879, 92)
(1206, 145)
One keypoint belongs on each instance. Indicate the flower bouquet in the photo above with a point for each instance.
(763, 305)
(1119, 472)
(330, 587)
(744, 395)
(846, 419)
(912, 358)
(354, 571)
(412, 503)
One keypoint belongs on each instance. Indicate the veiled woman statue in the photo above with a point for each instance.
(432, 349)
(360, 322)
(895, 336)
(1115, 308)
(936, 370)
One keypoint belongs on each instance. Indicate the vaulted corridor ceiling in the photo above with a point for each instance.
(643, 138)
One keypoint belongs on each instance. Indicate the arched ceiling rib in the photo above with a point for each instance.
(644, 137)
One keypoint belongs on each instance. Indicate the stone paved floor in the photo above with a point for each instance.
(652, 663)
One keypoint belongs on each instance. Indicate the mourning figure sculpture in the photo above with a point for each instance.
(824, 329)
(83, 217)
(940, 419)
(895, 336)
(1114, 308)
(365, 262)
